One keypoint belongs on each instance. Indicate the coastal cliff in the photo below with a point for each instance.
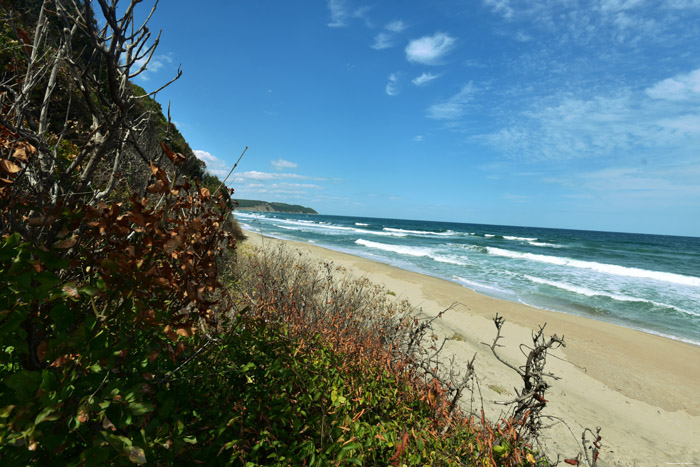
(264, 206)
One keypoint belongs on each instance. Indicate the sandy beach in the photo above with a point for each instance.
(642, 390)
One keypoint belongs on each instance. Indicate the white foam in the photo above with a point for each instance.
(599, 267)
(450, 259)
(477, 285)
(323, 226)
(520, 239)
(489, 235)
(419, 232)
(400, 249)
(599, 293)
(548, 245)
(361, 224)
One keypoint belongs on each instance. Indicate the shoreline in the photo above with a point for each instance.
(639, 387)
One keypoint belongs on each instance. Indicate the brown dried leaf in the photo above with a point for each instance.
(67, 243)
(71, 289)
(186, 331)
(175, 157)
(157, 187)
(108, 425)
(153, 355)
(41, 350)
(172, 335)
(9, 167)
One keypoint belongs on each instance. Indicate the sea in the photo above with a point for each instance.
(646, 282)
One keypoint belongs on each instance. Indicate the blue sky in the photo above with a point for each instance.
(553, 113)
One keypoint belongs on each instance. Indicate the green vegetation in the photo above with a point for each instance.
(256, 205)
(131, 332)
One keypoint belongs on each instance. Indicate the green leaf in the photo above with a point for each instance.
(6, 411)
(45, 415)
(136, 455)
(24, 383)
(140, 408)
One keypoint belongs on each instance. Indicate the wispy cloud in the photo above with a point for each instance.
(267, 176)
(214, 165)
(339, 13)
(281, 164)
(419, 138)
(392, 87)
(657, 184)
(387, 38)
(382, 41)
(665, 118)
(601, 22)
(396, 26)
(424, 79)
(501, 7)
(429, 50)
(454, 107)
(678, 88)
(156, 64)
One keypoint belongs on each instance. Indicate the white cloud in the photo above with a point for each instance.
(679, 88)
(419, 138)
(392, 87)
(281, 164)
(396, 26)
(454, 107)
(618, 5)
(266, 176)
(382, 41)
(156, 64)
(501, 7)
(663, 120)
(214, 165)
(386, 40)
(339, 13)
(429, 50)
(424, 79)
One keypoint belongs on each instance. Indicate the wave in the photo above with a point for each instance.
(361, 224)
(599, 293)
(324, 226)
(414, 251)
(520, 239)
(599, 267)
(548, 245)
(400, 249)
(419, 232)
(489, 235)
(477, 285)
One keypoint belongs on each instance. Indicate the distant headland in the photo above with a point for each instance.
(264, 206)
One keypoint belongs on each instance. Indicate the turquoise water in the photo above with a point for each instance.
(646, 282)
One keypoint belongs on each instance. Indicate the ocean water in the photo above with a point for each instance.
(645, 282)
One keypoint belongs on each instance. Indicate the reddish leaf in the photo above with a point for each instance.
(571, 461)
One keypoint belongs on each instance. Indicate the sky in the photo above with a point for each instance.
(548, 113)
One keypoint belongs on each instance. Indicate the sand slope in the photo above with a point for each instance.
(643, 390)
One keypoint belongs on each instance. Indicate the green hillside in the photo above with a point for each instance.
(264, 206)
